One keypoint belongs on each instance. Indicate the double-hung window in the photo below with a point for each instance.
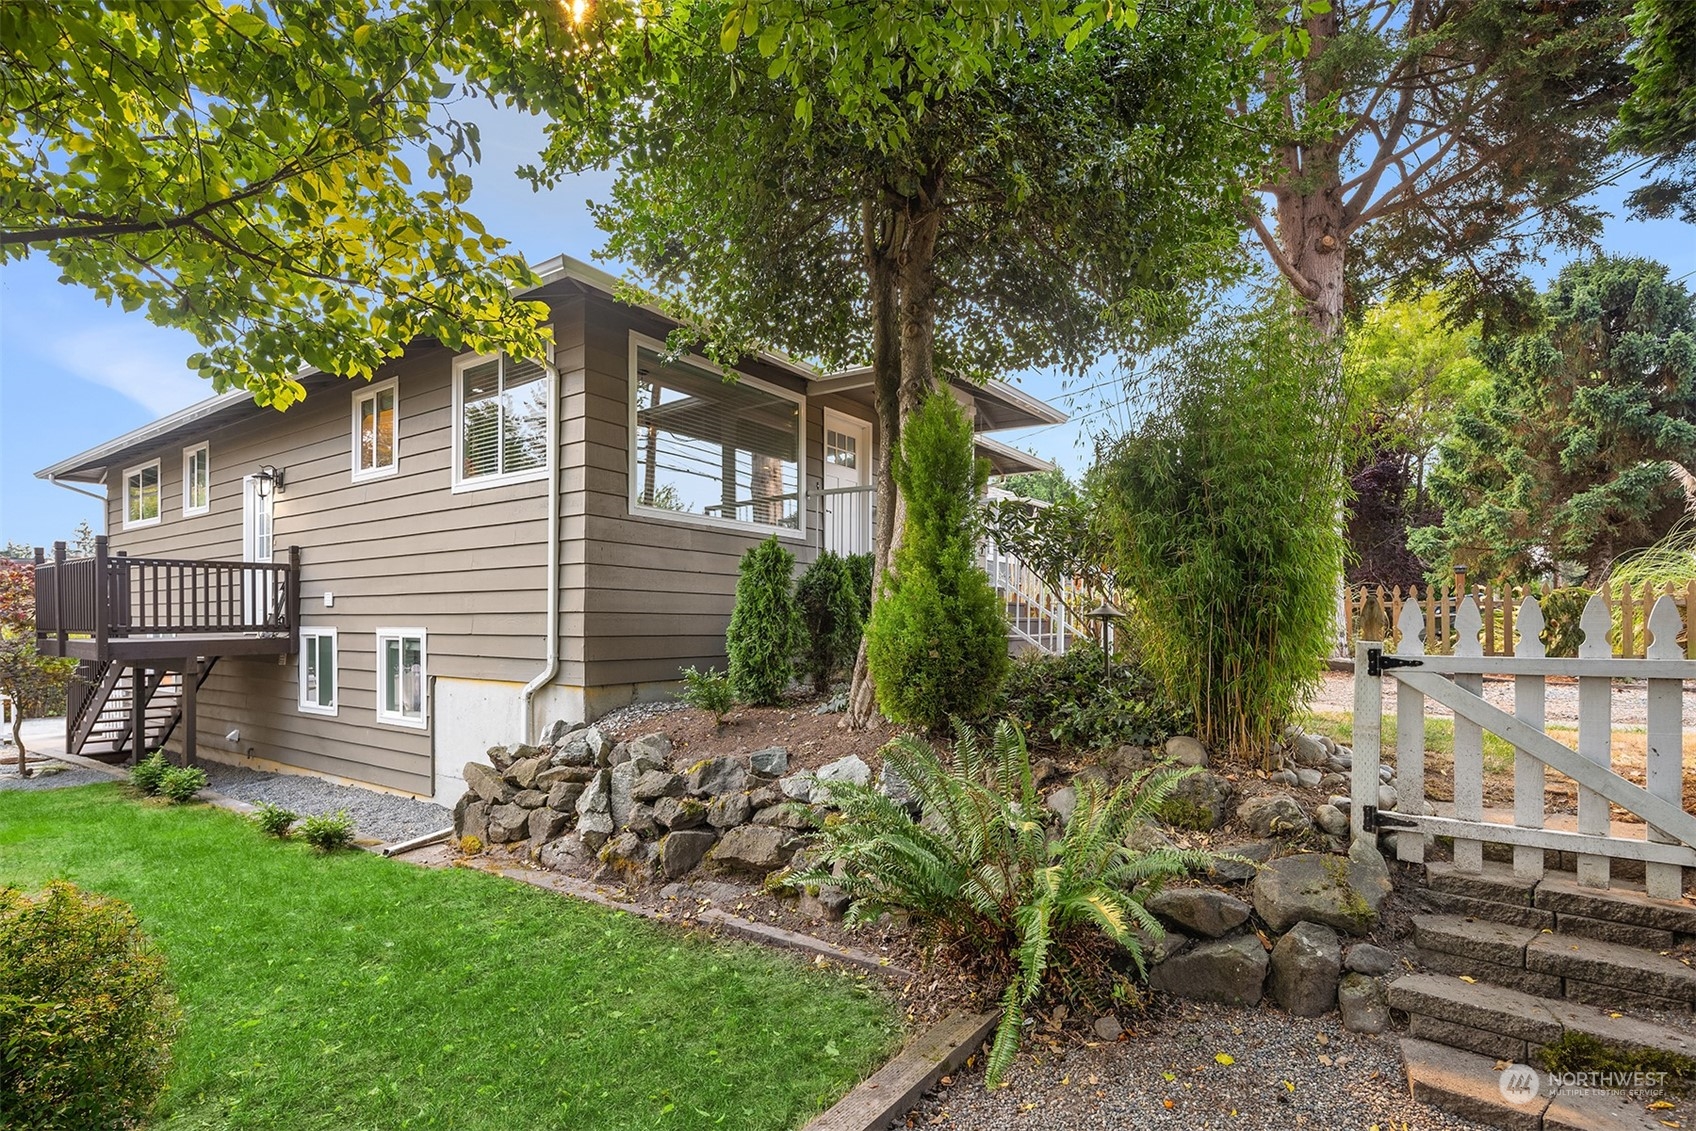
(141, 495)
(722, 449)
(501, 408)
(376, 449)
(318, 671)
(402, 687)
(197, 480)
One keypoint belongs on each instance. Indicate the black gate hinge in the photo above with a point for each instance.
(1373, 819)
(1377, 663)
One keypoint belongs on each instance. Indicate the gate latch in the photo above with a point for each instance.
(1373, 819)
(1377, 663)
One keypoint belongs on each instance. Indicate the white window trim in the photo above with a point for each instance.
(369, 393)
(484, 482)
(389, 718)
(711, 522)
(309, 708)
(189, 509)
(160, 479)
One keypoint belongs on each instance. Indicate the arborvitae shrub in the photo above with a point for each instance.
(85, 1010)
(860, 570)
(830, 615)
(765, 627)
(937, 642)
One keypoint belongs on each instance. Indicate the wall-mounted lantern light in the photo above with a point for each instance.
(269, 477)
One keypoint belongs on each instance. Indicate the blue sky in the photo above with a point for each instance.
(75, 372)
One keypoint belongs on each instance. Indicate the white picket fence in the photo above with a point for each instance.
(1668, 842)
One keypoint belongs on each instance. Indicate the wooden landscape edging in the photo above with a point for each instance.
(894, 1089)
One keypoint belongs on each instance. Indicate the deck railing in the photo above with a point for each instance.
(114, 596)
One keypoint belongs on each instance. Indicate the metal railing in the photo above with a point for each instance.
(848, 516)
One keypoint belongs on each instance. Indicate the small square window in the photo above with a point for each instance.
(318, 671)
(376, 449)
(402, 687)
(141, 495)
(197, 480)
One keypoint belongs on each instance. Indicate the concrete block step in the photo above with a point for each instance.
(1482, 939)
(1473, 1087)
(1536, 1020)
(1497, 883)
(1514, 914)
(1626, 968)
(1623, 902)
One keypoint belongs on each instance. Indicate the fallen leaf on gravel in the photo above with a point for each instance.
(1289, 1085)
(1170, 1076)
(1503, 1065)
(1469, 979)
(1660, 1105)
(1325, 1060)
(1168, 1103)
(1094, 1079)
(1324, 1038)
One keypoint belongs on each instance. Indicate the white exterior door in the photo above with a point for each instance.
(255, 546)
(847, 484)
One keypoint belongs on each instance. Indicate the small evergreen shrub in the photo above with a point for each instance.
(181, 783)
(328, 832)
(274, 820)
(145, 774)
(86, 1015)
(1070, 702)
(987, 878)
(1562, 610)
(765, 627)
(708, 691)
(830, 616)
(861, 568)
(937, 642)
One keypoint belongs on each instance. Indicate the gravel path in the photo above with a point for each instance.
(46, 775)
(380, 815)
(615, 721)
(1285, 1072)
(1630, 699)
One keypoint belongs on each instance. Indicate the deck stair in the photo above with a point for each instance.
(1511, 964)
(103, 727)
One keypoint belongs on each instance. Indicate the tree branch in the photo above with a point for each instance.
(1304, 286)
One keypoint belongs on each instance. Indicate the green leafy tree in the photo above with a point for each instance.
(245, 173)
(1051, 486)
(1433, 140)
(1659, 118)
(830, 615)
(937, 642)
(1222, 507)
(913, 186)
(34, 683)
(1573, 454)
(765, 626)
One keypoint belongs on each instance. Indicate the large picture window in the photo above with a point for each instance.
(401, 686)
(719, 450)
(502, 408)
(374, 437)
(141, 495)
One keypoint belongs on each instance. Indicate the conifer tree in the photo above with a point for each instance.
(765, 627)
(830, 614)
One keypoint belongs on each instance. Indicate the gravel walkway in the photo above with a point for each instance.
(1285, 1072)
(380, 815)
(46, 775)
(1630, 699)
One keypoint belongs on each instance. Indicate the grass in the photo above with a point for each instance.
(349, 991)
(1439, 737)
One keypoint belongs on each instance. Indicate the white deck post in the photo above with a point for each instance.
(1469, 739)
(1665, 742)
(1410, 737)
(1595, 736)
(1368, 731)
(1528, 704)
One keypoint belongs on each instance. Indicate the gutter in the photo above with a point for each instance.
(57, 482)
(550, 666)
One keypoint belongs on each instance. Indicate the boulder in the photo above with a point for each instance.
(677, 813)
(508, 823)
(563, 796)
(530, 798)
(593, 829)
(621, 787)
(546, 824)
(1186, 751)
(600, 743)
(620, 753)
(1278, 813)
(642, 821)
(487, 783)
(1107, 1028)
(554, 775)
(754, 848)
(1158, 948)
(656, 746)
(557, 730)
(789, 815)
(1200, 911)
(1309, 778)
(1228, 971)
(1286, 778)
(504, 757)
(473, 821)
(1334, 783)
(1123, 762)
(1308, 750)
(1200, 801)
(711, 777)
(628, 855)
(1245, 863)
(1331, 819)
(1364, 958)
(1145, 837)
(1387, 799)
(829, 903)
(730, 810)
(1063, 802)
(1363, 1005)
(1305, 966)
(596, 796)
(574, 751)
(853, 769)
(798, 787)
(522, 773)
(772, 762)
(681, 850)
(892, 785)
(651, 785)
(1321, 888)
(565, 853)
(770, 795)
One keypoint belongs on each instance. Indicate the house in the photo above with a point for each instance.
(362, 587)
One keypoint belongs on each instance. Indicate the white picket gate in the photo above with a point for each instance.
(1457, 682)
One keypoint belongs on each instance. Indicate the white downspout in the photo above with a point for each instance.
(550, 666)
(82, 491)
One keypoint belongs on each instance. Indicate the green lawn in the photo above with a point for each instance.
(352, 992)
